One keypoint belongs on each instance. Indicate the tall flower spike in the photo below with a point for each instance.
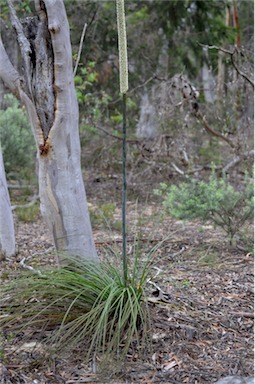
(122, 39)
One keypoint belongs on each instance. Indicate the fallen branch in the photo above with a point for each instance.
(18, 186)
(243, 314)
(237, 160)
(178, 169)
(177, 253)
(30, 204)
(23, 265)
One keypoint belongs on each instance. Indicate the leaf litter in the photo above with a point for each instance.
(201, 298)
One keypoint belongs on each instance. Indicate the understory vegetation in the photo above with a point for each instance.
(16, 139)
(214, 200)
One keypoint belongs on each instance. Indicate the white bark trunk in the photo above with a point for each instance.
(221, 77)
(147, 124)
(7, 235)
(52, 107)
(208, 80)
(149, 121)
(220, 90)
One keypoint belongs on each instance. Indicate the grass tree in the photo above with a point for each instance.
(46, 89)
(7, 235)
(83, 304)
(100, 307)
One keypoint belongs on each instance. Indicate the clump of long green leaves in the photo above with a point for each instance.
(84, 303)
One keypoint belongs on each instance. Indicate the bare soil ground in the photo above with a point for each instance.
(201, 301)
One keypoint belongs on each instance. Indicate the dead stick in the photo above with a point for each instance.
(243, 314)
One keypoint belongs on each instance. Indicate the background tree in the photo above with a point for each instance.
(7, 235)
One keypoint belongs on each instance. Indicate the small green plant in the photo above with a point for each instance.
(90, 98)
(103, 215)
(215, 200)
(210, 258)
(210, 152)
(28, 214)
(2, 354)
(183, 284)
(108, 210)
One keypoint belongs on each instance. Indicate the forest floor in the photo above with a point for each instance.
(201, 305)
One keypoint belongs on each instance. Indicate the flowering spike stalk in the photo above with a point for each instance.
(122, 39)
(123, 65)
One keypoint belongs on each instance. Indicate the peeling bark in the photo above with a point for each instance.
(48, 93)
(42, 75)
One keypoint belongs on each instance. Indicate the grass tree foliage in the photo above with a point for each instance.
(87, 304)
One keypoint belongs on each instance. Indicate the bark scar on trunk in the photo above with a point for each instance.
(42, 71)
(44, 148)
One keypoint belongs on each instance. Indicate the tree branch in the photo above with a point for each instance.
(30, 204)
(178, 169)
(24, 44)
(80, 48)
(108, 133)
(154, 77)
(231, 53)
(240, 72)
(211, 131)
(135, 141)
(8, 73)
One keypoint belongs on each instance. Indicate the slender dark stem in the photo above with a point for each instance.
(124, 189)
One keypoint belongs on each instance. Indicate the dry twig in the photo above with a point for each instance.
(80, 49)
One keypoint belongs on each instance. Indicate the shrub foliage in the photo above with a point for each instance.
(16, 137)
(215, 200)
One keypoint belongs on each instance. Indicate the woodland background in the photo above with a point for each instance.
(167, 143)
(165, 39)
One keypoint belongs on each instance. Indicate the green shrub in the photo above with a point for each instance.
(15, 136)
(103, 216)
(215, 200)
(28, 214)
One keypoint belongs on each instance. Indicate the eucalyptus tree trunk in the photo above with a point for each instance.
(149, 123)
(46, 89)
(207, 77)
(7, 235)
